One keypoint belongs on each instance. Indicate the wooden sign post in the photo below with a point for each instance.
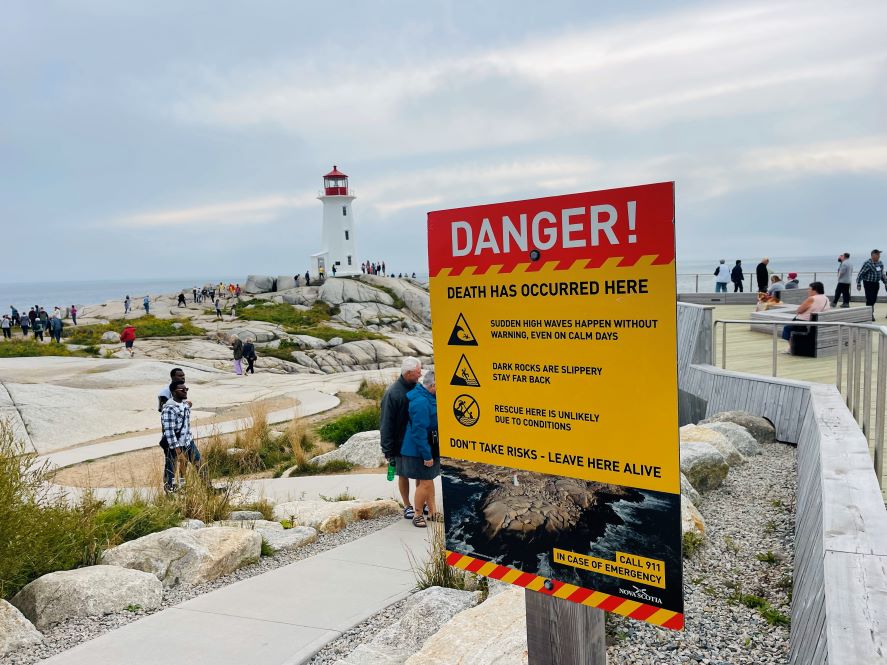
(563, 633)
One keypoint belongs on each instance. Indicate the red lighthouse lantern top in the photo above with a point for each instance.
(335, 183)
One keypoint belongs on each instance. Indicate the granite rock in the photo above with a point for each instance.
(760, 428)
(744, 442)
(94, 590)
(714, 439)
(703, 465)
(16, 632)
(333, 516)
(362, 450)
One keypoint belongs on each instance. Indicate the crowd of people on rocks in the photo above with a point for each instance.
(37, 322)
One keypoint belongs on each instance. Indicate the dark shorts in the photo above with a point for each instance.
(413, 467)
(129, 344)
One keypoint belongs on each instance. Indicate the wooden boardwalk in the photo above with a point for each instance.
(751, 352)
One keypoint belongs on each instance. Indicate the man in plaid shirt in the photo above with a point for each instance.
(175, 419)
(871, 275)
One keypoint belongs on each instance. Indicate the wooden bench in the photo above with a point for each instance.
(823, 340)
(785, 314)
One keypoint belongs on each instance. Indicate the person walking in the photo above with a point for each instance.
(37, 328)
(127, 305)
(55, 328)
(175, 374)
(249, 353)
(15, 318)
(237, 349)
(6, 326)
(845, 279)
(393, 423)
(762, 275)
(218, 305)
(420, 453)
(722, 277)
(737, 277)
(25, 324)
(334, 270)
(870, 276)
(146, 303)
(182, 302)
(175, 422)
(307, 278)
(128, 337)
(73, 311)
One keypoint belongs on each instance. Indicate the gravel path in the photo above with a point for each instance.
(65, 635)
(747, 555)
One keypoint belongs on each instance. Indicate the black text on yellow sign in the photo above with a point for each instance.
(625, 566)
(571, 385)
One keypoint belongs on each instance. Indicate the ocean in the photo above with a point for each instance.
(64, 294)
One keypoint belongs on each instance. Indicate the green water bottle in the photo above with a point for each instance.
(391, 470)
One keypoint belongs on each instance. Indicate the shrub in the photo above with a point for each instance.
(340, 430)
(262, 505)
(692, 541)
(146, 326)
(314, 469)
(30, 348)
(121, 521)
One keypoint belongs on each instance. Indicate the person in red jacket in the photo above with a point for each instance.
(128, 337)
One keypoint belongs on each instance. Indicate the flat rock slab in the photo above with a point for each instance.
(90, 591)
(16, 632)
(188, 556)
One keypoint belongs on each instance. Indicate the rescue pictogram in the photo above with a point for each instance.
(466, 410)
(464, 375)
(462, 335)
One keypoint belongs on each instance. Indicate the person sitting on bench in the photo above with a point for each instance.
(816, 302)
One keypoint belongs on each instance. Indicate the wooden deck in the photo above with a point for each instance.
(751, 352)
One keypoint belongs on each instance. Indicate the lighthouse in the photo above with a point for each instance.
(337, 237)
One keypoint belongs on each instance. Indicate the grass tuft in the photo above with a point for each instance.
(146, 326)
(692, 541)
(343, 428)
(31, 348)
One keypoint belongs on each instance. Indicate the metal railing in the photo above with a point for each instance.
(685, 279)
(853, 371)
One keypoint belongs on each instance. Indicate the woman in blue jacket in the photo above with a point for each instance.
(420, 454)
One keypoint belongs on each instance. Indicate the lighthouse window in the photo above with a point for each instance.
(344, 211)
(349, 259)
(346, 235)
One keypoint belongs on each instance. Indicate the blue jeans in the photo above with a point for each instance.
(720, 286)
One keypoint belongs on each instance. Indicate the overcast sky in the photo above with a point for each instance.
(143, 139)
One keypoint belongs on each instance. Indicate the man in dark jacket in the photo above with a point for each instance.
(393, 422)
(737, 277)
(763, 275)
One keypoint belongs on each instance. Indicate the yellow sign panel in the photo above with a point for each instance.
(555, 323)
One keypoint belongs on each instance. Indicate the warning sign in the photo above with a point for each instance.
(572, 392)
(466, 410)
(464, 375)
(462, 335)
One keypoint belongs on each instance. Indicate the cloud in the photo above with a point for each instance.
(719, 63)
(246, 211)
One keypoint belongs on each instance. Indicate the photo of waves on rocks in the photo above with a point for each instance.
(516, 518)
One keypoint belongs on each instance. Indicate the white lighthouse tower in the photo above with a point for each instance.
(337, 238)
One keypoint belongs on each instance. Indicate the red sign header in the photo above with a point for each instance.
(629, 223)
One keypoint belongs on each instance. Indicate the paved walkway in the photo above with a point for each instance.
(310, 402)
(279, 618)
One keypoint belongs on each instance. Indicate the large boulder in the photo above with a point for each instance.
(415, 299)
(236, 515)
(259, 284)
(303, 295)
(758, 427)
(714, 439)
(184, 556)
(703, 465)
(362, 449)
(737, 435)
(285, 282)
(691, 519)
(492, 633)
(90, 591)
(16, 632)
(110, 336)
(337, 291)
(688, 490)
(333, 516)
(423, 615)
(368, 314)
